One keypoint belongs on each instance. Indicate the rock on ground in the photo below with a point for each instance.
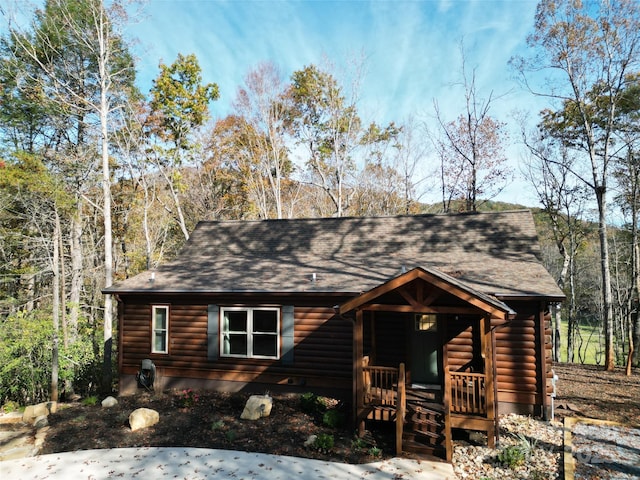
(109, 402)
(257, 406)
(142, 418)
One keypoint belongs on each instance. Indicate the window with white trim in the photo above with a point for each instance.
(160, 329)
(250, 332)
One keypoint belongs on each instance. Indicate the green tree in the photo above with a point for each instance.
(179, 106)
(325, 120)
(75, 52)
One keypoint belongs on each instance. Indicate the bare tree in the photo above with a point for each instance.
(264, 104)
(563, 200)
(590, 48)
(471, 149)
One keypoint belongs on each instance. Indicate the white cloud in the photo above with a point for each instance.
(412, 47)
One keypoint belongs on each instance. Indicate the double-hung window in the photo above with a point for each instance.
(160, 329)
(250, 332)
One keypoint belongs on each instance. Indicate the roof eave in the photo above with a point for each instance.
(278, 293)
(553, 298)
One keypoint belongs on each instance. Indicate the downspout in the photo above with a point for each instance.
(543, 361)
(495, 383)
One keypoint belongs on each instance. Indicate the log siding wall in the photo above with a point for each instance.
(322, 348)
(322, 357)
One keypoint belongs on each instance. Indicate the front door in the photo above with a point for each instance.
(425, 352)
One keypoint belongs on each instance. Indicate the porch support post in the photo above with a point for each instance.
(488, 353)
(358, 404)
(446, 394)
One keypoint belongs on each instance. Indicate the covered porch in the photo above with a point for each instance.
(424, 358)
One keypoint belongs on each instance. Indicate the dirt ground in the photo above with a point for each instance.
(589, 391)
(212, 420)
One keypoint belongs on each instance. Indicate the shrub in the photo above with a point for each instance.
(324, 442)
(359, 443)
(25, 357)
(515, 455)
(90, 401)
(512, 456)
(312, 404)
(333, 418)
(10, 406)
(375, 452)
(217, 425)
(187, 398)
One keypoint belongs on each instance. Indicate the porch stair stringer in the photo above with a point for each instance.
(424, 430)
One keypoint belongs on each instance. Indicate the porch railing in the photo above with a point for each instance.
(385, 386)
(380, 384)
(468, 393)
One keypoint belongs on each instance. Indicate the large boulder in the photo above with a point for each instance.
(257, 406)
(41, 421)
(31, 412)
(143, 418)
(109, 402)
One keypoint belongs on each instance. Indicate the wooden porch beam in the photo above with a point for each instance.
(446, 397)
(420, 293)
(408, 297)
(542, 359)
(467, 297)
(434, 294)
(376, 292)
(437, 283)
(381, 307)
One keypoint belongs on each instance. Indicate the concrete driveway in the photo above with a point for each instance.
(200, 463)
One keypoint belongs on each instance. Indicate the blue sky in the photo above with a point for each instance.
(412, 50)
(411, 47)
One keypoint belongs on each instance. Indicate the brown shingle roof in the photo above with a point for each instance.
(494, 253)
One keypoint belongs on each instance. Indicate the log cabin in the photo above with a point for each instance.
(433, 322)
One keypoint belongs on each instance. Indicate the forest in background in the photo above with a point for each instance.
(99, 181)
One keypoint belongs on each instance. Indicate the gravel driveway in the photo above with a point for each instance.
(604, 450)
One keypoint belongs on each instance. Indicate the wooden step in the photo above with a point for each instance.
(379, 412)
(424, 430)
(413, 434)
(427, 410)
(416, 447)
(421, 420)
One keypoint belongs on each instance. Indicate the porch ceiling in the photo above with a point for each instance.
(425, 290)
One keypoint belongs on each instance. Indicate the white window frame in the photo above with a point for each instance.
(155, 332)
(224, 331)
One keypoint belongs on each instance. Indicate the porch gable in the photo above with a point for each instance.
(422, 300)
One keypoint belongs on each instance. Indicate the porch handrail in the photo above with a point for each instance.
(380, 384)
(386, 386)
(401, 408)
(468, 393)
